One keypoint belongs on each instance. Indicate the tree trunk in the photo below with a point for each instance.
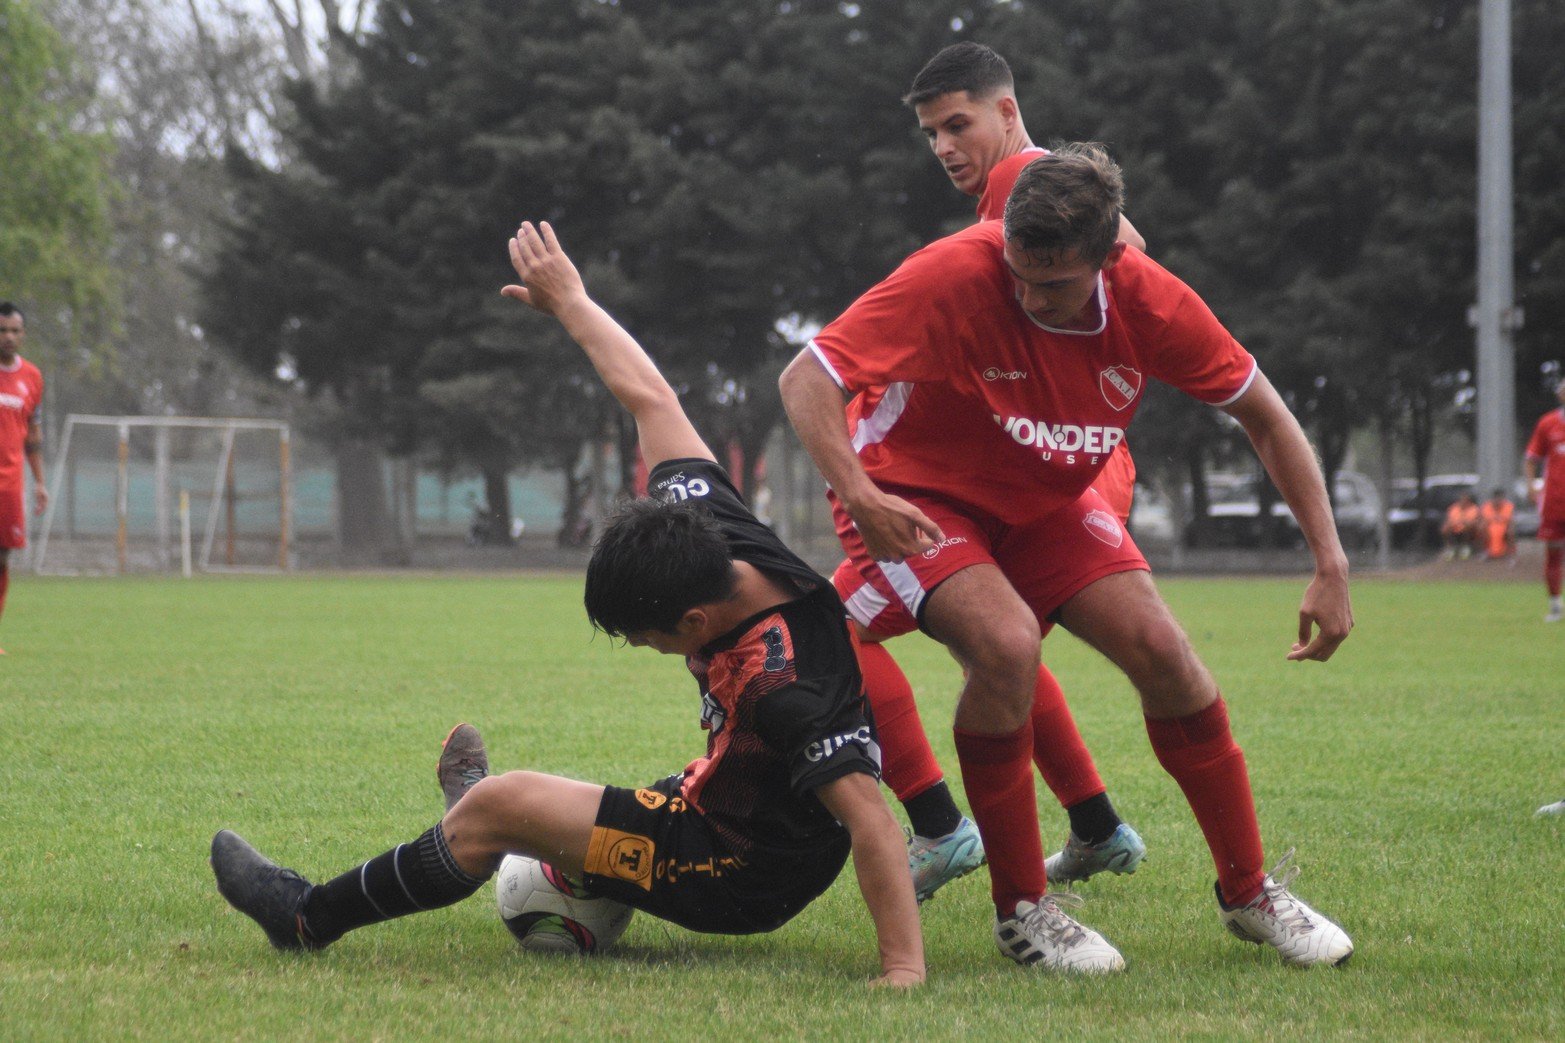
(1421, 443)
(1200, 505)
(497, 496)
(363, 517)
(1388, 428)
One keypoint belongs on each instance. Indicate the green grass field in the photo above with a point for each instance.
(137, 717)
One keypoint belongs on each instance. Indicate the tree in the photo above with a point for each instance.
(53, 210)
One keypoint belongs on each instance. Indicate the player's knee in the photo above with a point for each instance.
(1155, 652)
(1007, 656)
(501, 797)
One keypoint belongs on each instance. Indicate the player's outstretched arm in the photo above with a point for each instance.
(892, 528)
(552, 285)
(1326, 613)
(880, 862)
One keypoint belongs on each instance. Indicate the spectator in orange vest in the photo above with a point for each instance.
(1461, 530)
(1499, 539)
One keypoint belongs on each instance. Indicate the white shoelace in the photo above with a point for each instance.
(1050, 919)
(1285, 907)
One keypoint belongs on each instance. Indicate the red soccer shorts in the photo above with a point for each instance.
(13, 520)
(1048, 561)
(1551, 530)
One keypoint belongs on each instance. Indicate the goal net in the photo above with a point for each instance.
(161, 493)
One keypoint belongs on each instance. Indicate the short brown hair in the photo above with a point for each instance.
(1067, 199)
(969, 67)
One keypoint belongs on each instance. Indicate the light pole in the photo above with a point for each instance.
(1496, 316)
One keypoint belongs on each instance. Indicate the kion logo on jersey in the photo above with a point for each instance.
(1103, 526)
(1120, 386)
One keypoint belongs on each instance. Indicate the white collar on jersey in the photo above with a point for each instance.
(1103, 315)
(13, 367)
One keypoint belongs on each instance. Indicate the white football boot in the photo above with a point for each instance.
(1279, 918)
(1557, 808)
(1044, 936)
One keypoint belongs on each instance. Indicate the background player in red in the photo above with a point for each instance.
(971, 496)
(747, 835)
(965, 102)
(21, 440)
(1545, 470)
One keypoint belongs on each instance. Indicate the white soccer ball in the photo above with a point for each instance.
(548, 912)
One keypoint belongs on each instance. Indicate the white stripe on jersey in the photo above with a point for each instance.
(865, 604)
(1255, 369)
(831, 370)
(875, 427)
(904, 581)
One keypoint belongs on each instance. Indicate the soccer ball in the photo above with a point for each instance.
(548, 912)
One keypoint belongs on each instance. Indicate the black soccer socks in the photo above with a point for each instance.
(407, 879)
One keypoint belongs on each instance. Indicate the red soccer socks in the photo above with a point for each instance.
(1057, 747)
(1200, 753)
(908, 763)
(997, 774)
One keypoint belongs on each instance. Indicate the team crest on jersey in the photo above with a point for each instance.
(1103, 526)
(1120, 386)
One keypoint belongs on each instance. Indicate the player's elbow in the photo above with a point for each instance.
(650, 400)
(804, 381)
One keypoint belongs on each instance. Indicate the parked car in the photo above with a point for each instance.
(1234, 514)
(1411, 526)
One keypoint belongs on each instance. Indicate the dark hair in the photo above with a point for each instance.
(8, 309)
(1068, 199)
(654, 562)
(969, 67)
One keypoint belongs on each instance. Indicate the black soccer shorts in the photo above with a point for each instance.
(653, 851)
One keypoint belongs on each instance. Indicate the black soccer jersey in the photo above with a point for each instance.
(781, 693)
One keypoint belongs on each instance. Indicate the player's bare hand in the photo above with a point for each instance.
(892, 528)
(898, 978)
(1325, 618)
(40, 499)
(550, 282)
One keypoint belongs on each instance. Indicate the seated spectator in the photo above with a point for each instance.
(1499, 536)
(1461, 529)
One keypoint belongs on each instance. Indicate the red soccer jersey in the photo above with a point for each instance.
(1548, 444)
(21, 389)
(968, 396)
(1116, 483)
(991, 205)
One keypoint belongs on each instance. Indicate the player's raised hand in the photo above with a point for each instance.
(1325, 618)
(892, 528)
(550, 281)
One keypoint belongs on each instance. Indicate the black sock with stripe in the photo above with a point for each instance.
(407, 879)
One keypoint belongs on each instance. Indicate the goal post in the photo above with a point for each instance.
(125, 487)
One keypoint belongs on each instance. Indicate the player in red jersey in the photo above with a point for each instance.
(1009, 358)
(1545, 470)
(965, 101)
(746, 835)
(21, 440)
